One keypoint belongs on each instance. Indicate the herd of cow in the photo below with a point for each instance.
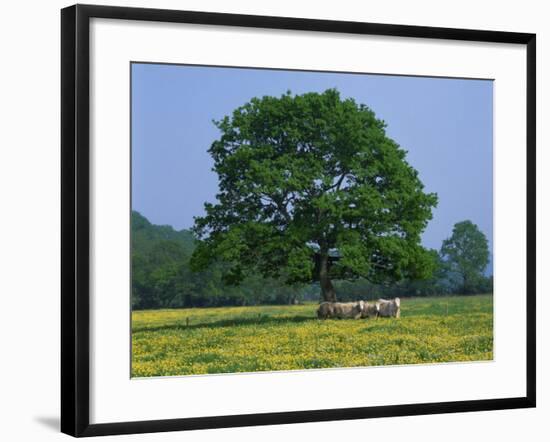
(360, 309)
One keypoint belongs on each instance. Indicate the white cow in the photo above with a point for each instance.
(341, 310)
(371, 310)
(389, 307)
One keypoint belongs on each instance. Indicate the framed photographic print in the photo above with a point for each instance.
(273, 220)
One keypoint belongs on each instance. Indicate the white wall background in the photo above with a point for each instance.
(29, 218)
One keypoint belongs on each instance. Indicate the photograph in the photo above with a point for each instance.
(275, 218)
(292, 220)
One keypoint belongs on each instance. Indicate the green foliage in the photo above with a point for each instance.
(466, 253)
(444, 280)
(248, 339)
(158, 257)
(302, 175)
(162, 278)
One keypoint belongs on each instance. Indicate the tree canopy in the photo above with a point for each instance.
(312, 188)
(467, 253)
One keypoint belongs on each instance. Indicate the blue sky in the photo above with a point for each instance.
(446, 125)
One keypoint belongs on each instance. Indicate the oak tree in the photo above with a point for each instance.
(312, 189)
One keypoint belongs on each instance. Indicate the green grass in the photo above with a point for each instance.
(247, 339)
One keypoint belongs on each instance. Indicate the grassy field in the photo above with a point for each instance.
(247, 339)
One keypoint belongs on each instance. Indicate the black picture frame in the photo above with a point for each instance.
(75, 211)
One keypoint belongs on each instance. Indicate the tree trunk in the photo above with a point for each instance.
(327, 290)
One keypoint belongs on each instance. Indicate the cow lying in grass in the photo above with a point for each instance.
(360, 309)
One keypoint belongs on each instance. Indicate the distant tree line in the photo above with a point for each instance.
(162, 277)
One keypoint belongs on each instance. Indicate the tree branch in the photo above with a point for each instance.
(276, 205)
(338, 183)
